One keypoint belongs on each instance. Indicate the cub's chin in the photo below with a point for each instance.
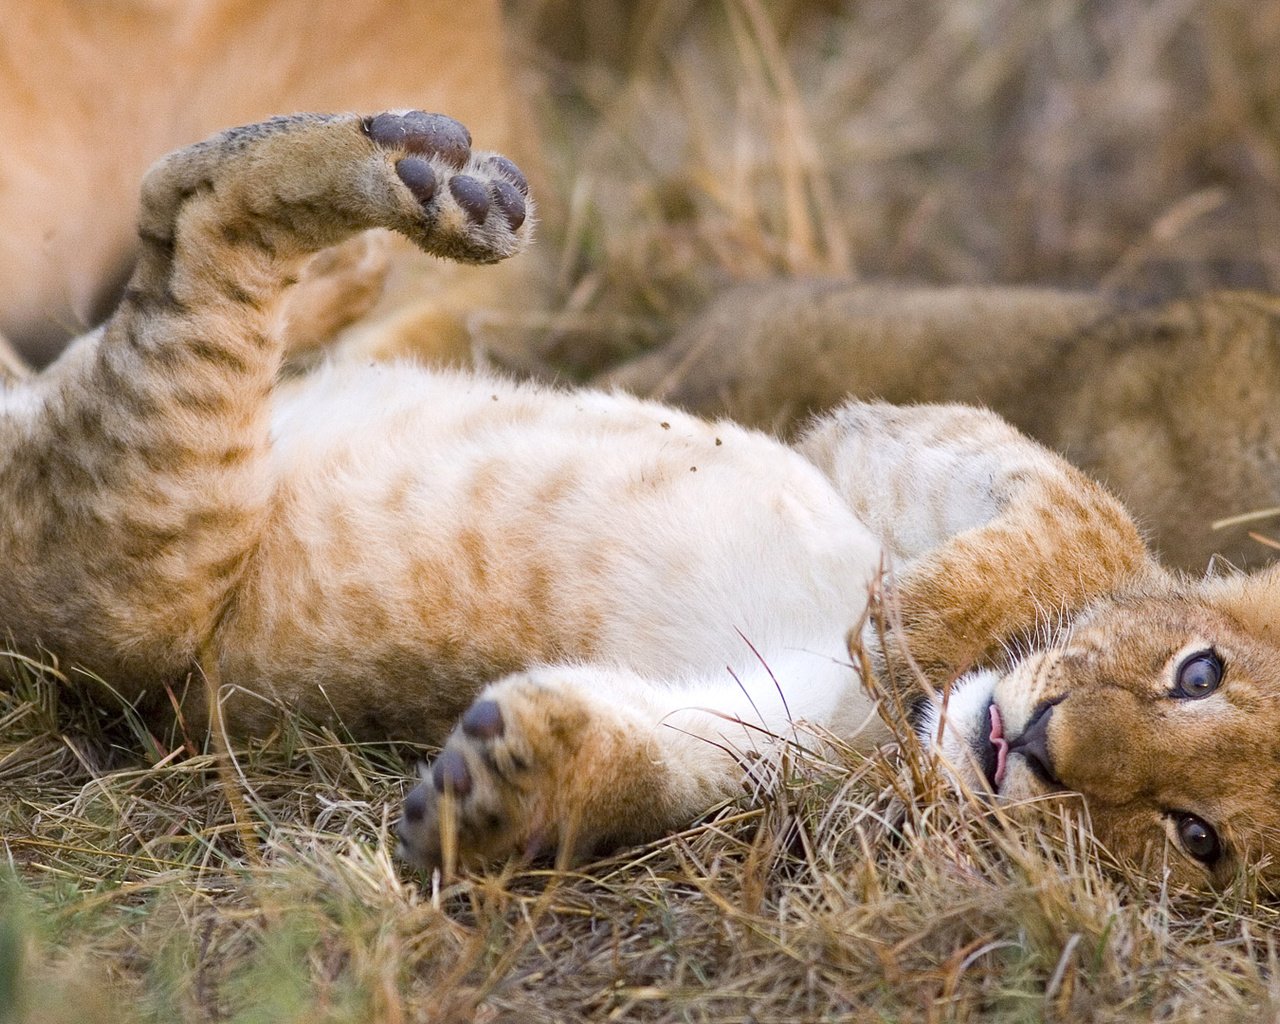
(970, 734)
(958, 726)
(980, 734)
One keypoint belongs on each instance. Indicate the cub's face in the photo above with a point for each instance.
(1162, 710)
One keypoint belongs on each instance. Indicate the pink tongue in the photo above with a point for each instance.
(998, 741)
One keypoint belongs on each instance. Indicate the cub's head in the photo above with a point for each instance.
(1161, 708)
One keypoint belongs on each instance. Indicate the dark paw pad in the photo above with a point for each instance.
(450, 772)
(417, 174)
(483, 720)
(416, 803)
(471, 195)
(506, 169)
(419, 132)
(509, 202)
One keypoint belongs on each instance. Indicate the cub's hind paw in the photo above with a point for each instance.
(474, 205)
(292, 185)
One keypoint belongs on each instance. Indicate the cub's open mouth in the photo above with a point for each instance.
(993, 748)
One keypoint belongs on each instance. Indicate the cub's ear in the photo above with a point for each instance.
(1252, 599)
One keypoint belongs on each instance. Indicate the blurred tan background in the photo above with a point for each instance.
(1129, 145)
(676, 148)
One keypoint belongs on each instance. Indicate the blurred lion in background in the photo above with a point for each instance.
(1170, 402)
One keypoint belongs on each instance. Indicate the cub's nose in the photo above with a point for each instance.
(1033, 745)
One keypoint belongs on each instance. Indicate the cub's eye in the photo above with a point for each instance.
(1198, 839)
(1198, 676)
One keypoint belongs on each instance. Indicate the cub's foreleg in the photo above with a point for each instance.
(133, 472)
(994, 536)
(573, 759)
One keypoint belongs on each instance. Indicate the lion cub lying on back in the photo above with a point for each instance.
(613, 601)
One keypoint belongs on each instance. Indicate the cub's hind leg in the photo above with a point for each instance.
(335, 288)
(133, 471)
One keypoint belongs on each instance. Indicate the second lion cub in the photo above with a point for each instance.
(1171, 404)
(598, 604)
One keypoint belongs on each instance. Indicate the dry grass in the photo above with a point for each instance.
(857, 890)
(1127, 144)
(1130, 144)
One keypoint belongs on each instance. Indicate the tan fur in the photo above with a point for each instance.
(1050, 588)
(1057, 595)
(652, 599)
(1054, 542)
(91, 94)
(146, 441)
(1170, 405)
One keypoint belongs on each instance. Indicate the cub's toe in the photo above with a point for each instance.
(509, 200)
(419, 132)
(472, 196)
(469, 206)
(418, 177)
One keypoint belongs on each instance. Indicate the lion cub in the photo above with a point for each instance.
(616, 602)
(1171, 404)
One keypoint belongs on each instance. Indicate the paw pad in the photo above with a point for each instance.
(450, 772)
(471, 195)
(416, 804)
(488, 182)
(420, 132)
(418, 176)
(504, 168)
(483, 720)
(510, 202)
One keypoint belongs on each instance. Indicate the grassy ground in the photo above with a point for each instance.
(1133, 145)
(858, 890)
